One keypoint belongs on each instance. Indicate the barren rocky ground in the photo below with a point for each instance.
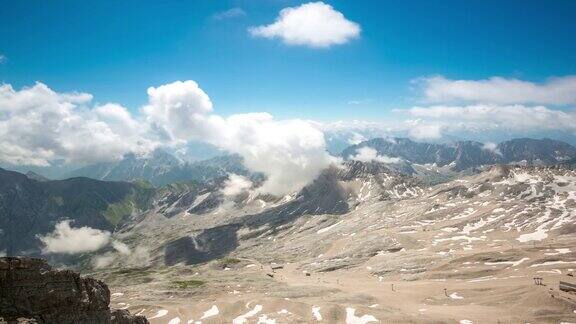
(464, 251)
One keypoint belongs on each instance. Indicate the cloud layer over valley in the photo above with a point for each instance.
(71, 240)
(39, 125)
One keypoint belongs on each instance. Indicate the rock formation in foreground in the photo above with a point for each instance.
(31, 289)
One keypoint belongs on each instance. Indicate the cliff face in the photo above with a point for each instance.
(30, 288)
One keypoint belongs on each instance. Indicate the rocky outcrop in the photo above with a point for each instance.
(31, 289)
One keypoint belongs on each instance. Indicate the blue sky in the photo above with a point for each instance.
(115, 50)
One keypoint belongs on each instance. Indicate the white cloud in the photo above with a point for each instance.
(359, 101)
(491, 147)
(178, 110)
(38, 124)
(69, 240)
(103, 261)
(356, 131)
(368, 154)
(236, 184)
(511, 117)
(3, 58)
(497, 90)
(139, 257)
(122, 254)
(356, 138)
(121, 248)
(291, 153)
(421, 130)
(230, 13)
(314, 24)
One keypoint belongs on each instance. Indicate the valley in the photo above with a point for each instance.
(467, 250)
(363, 243)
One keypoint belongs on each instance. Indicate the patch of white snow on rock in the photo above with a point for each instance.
(213, 311)
(351, 318)
(316, 313)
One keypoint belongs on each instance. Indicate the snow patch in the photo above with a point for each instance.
(316, 313)
(353, 319)
(455, 295)
(160, 313)
(175, 320)
(539, 235)
(242, 319)
(326, 229)
(213, 311)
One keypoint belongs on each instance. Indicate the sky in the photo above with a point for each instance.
(284, 84)
(116, 50)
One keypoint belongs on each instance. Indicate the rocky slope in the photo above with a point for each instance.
(388, 249)
(362, 243)
(31, 289)
(29, 207)
(200, 223)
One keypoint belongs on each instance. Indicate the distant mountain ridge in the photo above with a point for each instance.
(463, 155)
(161, 168)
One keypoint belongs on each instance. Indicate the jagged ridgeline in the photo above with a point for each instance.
(161, 168)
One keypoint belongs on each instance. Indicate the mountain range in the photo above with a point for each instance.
(360, 237)
(161, 168)
(107, 195)
(462, 155)
(361, 244)
(448, 159)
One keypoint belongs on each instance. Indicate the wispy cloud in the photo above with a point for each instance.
(230, 13)
(368, 154)
(235, 185)
(3, 59)
(359, 101)
(491, 147)
(512, 117)
(498, 90)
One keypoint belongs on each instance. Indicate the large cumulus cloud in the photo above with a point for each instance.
(291, 153)
(38, 125)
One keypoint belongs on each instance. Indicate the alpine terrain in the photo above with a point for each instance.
(279, 162)
(349, 247)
